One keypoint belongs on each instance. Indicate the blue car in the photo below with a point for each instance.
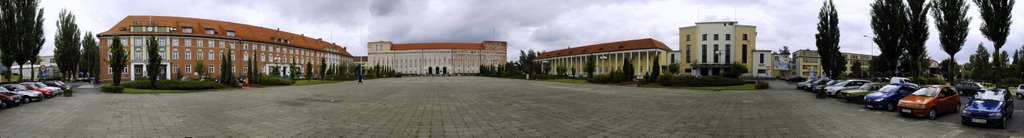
(888, 96)
(989, 107)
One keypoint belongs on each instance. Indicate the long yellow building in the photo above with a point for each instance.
(609, 56)
(710, 48)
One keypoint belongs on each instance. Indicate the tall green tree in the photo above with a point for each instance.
(917, 34)
(34, 38)
(950, 69)
(201, 70)
(69, 43)
(827, 41)
(9, 42)
(952, 22)
(118, 60)
(227, 73)
(291, 69)
(153, 59)
(323, 68)
(90, 56)
(309, 70)
(889, 23)
(996, 20)
(856, 70)
(656, 69)
(981, 66)
(628, 72)
(590, 66)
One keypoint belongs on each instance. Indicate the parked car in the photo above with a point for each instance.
(810, 85)
(54, 90)
(971, 88)
(990, 107)
(795, 79)
(27, 94)
(857, 95)
(58, 84)
(845, 85)
(47, 93)
(821, 88)
(887, 97)
(895, 80)
(1020, 91)
(803, 85)
(10, 99)
(930, 101)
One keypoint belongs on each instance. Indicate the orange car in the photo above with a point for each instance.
(930, 101)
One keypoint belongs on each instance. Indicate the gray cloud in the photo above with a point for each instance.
(526, 24)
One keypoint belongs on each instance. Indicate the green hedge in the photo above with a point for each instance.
(272, 81)
(690, 81)
(762, 85)
(174, 85)
(111, 89)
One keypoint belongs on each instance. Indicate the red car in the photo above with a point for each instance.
(46, 92)
(8, 99)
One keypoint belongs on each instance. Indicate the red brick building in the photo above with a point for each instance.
(185, 41)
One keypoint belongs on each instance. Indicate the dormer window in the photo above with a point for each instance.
(186, 30)
(231, 33)
(211, 31)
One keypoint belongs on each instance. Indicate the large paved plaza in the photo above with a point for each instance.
(469, 107)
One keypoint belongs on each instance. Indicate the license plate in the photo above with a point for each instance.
(906, 110)
(975, 120)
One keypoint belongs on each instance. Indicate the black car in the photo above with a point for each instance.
(58, 84)
(795, 79)
(971, 88)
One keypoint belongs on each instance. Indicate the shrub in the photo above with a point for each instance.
(928, 81)
(599, 79)
(111, 89)
(174, 85)
(690, 81)
(762, 85)
(543, 77)
(271, 81)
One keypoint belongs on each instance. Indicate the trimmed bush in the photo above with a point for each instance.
(599, 79)
(690, 81)
(111, 89)
(271, 81)
(762, 85)
(174, 85)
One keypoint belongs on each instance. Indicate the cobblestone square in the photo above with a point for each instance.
(468, 107)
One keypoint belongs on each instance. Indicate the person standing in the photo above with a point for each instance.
(360, 75)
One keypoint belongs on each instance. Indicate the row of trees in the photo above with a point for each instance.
(901, 29)
(21, 29)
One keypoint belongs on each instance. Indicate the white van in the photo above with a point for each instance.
(895, 80)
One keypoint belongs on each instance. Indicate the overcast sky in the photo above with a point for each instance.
(541, 25)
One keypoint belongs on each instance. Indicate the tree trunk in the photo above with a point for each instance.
(33, 71)
(21, 72)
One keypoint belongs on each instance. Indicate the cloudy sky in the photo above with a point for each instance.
(541, 25)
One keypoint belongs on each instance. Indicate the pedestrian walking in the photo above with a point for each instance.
(360, 76)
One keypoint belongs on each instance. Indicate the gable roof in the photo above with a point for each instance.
(242, 32)
(646, 43)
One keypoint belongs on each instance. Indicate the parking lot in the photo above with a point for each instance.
(472, 107)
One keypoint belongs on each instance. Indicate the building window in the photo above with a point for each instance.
(687, 37)
(209, 54)
(728, 53)
(175, 69)
(186, 30)
(199, 54)
(716, 37)
(210, 70)
(138, 53)
(761, 59)
(704, 54)
(110, 42)
(744, 53)
(704, 37)
(162, 41)
(138, 41)
(232, 45)
(188, 68)
(211, 31)
(246, 56)
(687, 53)
(744, 36)
(174, 55)
(221, 44)
(188, 42)
(716, 54)
(728, 37)
(231, 33)
(761, 71)
(174, 42)
(162, 56)
(210, 43)
(188, 54)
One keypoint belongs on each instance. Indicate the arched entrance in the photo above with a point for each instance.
(446, 70)
(430, 70)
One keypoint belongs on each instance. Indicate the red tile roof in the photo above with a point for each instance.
(242, 31)
(359, 58)
(418, 46)
(647, 43)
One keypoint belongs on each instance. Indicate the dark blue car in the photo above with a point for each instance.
(887, 97)
(990, 107)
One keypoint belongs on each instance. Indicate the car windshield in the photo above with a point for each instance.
(991, 95)
(38, 85)
(830, 83)
(19, 87)
(889, 88)
(926, 92)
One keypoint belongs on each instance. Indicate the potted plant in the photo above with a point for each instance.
(69, 93)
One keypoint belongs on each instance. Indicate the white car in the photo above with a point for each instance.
(895, 80)
(848, 84)
(1020, 91)
(29, 94)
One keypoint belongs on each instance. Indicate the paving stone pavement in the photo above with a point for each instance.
(467, 107)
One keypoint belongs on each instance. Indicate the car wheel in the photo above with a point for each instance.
(891, 107)
(956, 109)
(931, 114)
(1002, 124)
(3, 105)
(841, 95)
(1020, 96)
